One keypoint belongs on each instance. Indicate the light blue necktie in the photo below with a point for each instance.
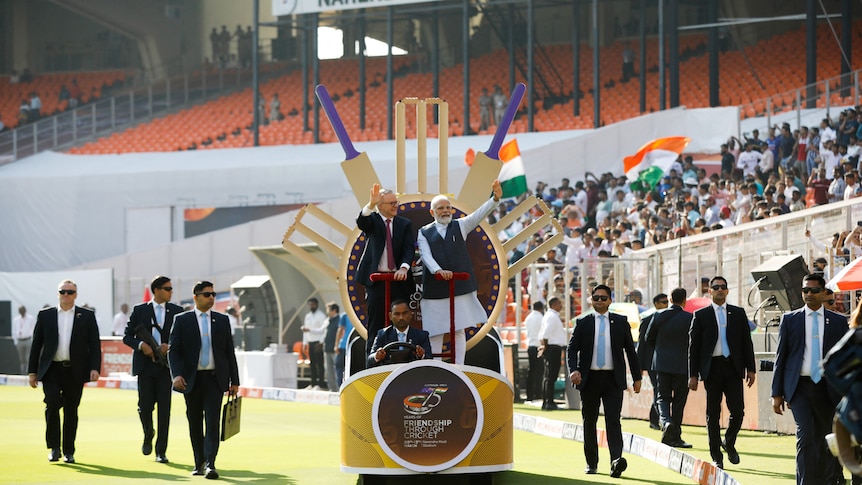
(205, 340)
(600, 350)
(722, 331)
(160, 319)
(402, 337)
(815, 347)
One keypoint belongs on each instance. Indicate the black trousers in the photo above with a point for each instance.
(601, 388)
(723, 381)
(155, 388)
(315, 357)
(61, 391)
(203, 407)
(552, 356)
(534, 373)
(813, 411)
(653, 410)
(672, 393)
(375, 301)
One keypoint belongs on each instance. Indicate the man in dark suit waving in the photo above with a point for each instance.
(153, 319)
(203, 367)
(399, 331)
(668, 336)
(804, 337)
(600, 345)
(721, 354)
(66, 353)
(389, 247)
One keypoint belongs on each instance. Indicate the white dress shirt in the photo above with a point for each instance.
(65, 320)
(606, 328)
(533, 322)
(316, 323)
(22, 327)
(552, 328)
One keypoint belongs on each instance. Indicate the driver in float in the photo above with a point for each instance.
(400, 331)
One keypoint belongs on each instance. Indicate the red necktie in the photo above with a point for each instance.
(390, 255)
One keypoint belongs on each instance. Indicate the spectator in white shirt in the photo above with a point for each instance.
(120, 320)
(533, 324)
(22, 336)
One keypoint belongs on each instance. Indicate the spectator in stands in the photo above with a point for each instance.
(628, 62)
(14, 78)
(850, 185)
(275, 109)
(797, 203)
(224, 46)
(484, 110)
(785, 148)
(500, 103)
(818, 183)
(836, 188)
(64, 93)
(74, 93)
(801, 151)
(214, 44)
(827, 134)
(728, 162)
(24, 112)
(35, 107)
(748, 161)
(26, 76)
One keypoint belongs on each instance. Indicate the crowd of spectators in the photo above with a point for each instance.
(608, 216)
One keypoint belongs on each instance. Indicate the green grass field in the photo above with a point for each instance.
(297, 443)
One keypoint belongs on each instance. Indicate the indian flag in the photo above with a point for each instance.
(512, 178)
(659, 153)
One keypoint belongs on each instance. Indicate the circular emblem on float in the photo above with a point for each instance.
(427, 416)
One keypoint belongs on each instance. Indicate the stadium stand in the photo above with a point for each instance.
(47, 86)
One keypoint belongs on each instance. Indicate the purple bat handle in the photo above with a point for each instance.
(506, 121)
(329, 108)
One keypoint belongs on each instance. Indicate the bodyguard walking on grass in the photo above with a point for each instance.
(203, 366)
(151, 322)
(65, 355)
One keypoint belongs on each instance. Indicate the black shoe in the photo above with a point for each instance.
(147, 447)
(54, 454)
(654, 426)
(69, 459)
(211, 473)
(161, 458)
(669, 434)
(618, 466)
(551, 406)
(680, 444)
(718, 464)
(732, 455)
(590, 470)
(198, 471)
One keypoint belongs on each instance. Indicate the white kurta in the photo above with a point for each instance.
(469, 312)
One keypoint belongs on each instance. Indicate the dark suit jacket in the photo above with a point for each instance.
(85, 348)
(645, 349)
(403, 243)
(703, 335)
(580, 350)
(389, 334)
(668, 335)
(185, 349)
(791, 346)
(144, 314)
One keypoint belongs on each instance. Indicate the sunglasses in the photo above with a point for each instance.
(601, 298)
(67, 292)
(206, 294)
(167, 288)
(719, 287)
(663, 302)
(814, 290)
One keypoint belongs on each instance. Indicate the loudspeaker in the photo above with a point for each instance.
(783, 280)
(5, 318)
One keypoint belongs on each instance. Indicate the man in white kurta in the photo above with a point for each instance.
(446, 237)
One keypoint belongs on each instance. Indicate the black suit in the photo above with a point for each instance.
(721, 375)
(389, 334)
(154, 380)
(403, 249)
(204, 389)
(63, 382)
(601, 385)
(813, 404)
(645, 351)
(668, 335)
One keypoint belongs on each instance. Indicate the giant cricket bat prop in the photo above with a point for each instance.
(486, 166)
(356, 166)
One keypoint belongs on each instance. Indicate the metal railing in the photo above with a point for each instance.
(109, 114)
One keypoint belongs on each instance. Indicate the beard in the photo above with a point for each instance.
(445, 220)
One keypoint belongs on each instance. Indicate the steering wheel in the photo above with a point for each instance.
(399, 352)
